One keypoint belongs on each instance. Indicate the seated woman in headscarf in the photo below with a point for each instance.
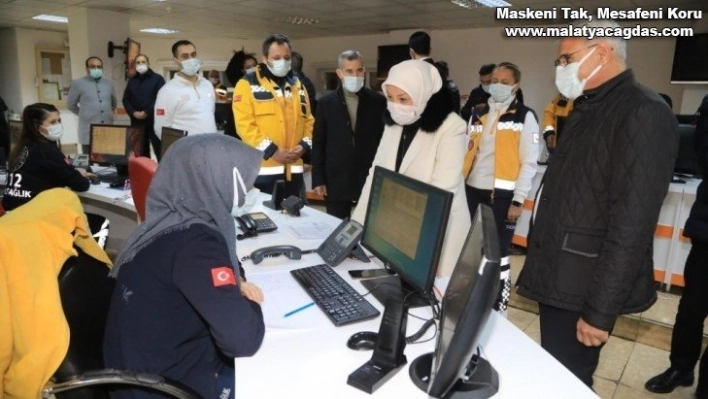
(180, 308)
(424, 139)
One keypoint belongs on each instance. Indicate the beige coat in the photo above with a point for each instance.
(436, 159)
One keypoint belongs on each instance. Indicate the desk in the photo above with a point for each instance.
(113, 204)
(305, 355)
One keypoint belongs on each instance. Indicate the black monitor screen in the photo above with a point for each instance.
(467, 303)
(113, 144)
(169, 136)
(405, 226)
(690, 59)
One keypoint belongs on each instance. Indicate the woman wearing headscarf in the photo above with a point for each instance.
(180, 309)
(425, 140)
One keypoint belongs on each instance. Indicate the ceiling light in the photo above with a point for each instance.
(51, 18)
(298, 20)
(159, 31)
(480, 3)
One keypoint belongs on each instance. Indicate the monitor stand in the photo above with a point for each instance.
(482, 382)
(393, 287)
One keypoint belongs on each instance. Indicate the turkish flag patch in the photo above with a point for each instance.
(223, 275)
(160, 112)
(237, 98)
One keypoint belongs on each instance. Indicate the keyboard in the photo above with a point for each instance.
(337, 299)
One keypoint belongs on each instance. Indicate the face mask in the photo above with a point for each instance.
(280, 67)
(251, 69)
(352, 84)
(485, 88)
(214, 80)
(54, 132)
(191, 66)
(141, 68)
(96, 73)
(249, 201)
(402, 114)
(501, 93)
(567, 81)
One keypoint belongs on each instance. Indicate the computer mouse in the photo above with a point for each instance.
(363, 341)
(116, 184)
(94, 180)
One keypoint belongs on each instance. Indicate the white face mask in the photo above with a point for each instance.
(141, 69)
(485, 88)
(280, 67)
(249, 201)
(352, 84)
(251, 69)
(402, 114)
(54, 132)
(500, 92)
(191, 66)
(567, 81)
(214, 80)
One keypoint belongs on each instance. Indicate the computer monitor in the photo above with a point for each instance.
(405, 227)
(169, 136)
(466, 306)
(112, 145)
(687, 158)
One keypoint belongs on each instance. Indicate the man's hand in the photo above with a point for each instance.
(321, 190)
(251, 291)
(551, 140)
(139, 115)
(281, 156)
(514, 213)
(296, 153)
(589, 335)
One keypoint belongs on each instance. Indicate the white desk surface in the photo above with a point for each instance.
(102, 192)
(306, 356)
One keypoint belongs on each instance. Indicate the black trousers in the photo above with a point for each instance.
(296, 186)
(559, 338)
(339, 209)
(687, 335)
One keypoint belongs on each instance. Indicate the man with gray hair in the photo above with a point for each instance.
(348, 127)
(589, 256)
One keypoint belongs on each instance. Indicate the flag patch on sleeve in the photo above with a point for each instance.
(223, 275)
(160, 112)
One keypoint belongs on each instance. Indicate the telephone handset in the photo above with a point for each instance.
(291, 251)
(343, 241)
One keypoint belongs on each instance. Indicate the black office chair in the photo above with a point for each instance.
(85, 290)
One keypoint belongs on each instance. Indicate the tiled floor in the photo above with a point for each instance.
(637, 350)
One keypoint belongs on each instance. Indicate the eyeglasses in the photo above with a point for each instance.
(566, 58)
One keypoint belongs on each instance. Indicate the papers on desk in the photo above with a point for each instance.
(310, 230)
(283, 295)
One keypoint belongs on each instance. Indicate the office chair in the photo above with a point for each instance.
(140, 171)
(85, 290)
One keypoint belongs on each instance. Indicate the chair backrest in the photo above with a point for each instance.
(85, 290)
(140, 172)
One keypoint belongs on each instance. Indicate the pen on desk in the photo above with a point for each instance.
(292, 312)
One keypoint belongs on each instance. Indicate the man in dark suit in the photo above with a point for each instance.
(347, 132)
(480, 94)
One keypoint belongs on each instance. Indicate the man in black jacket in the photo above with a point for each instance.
(687, 335)
(139, 102)
(480, 94)
(589, 258)
(347, 132)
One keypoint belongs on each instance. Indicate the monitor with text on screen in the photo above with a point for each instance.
(454, 367)
(112, 145)
(169, 136)
(405, 227)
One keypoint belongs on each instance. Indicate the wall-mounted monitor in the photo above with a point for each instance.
(691, 60)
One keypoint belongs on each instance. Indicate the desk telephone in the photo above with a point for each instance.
(254, 223)
(81, 161)
(343, 241)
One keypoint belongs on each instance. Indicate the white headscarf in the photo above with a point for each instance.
(418, 78)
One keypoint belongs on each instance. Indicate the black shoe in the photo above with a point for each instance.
(668, 380)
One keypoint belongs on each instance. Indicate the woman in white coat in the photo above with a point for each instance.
(425, 140)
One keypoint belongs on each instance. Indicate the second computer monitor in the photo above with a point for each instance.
(405, 228)
(169, 136)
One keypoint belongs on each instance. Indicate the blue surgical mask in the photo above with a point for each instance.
(191, 66)
(54, 132)
(501, 93)
(96, 73)
(567, 81)
(280, 67)
(141, 69)
(352, 84)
